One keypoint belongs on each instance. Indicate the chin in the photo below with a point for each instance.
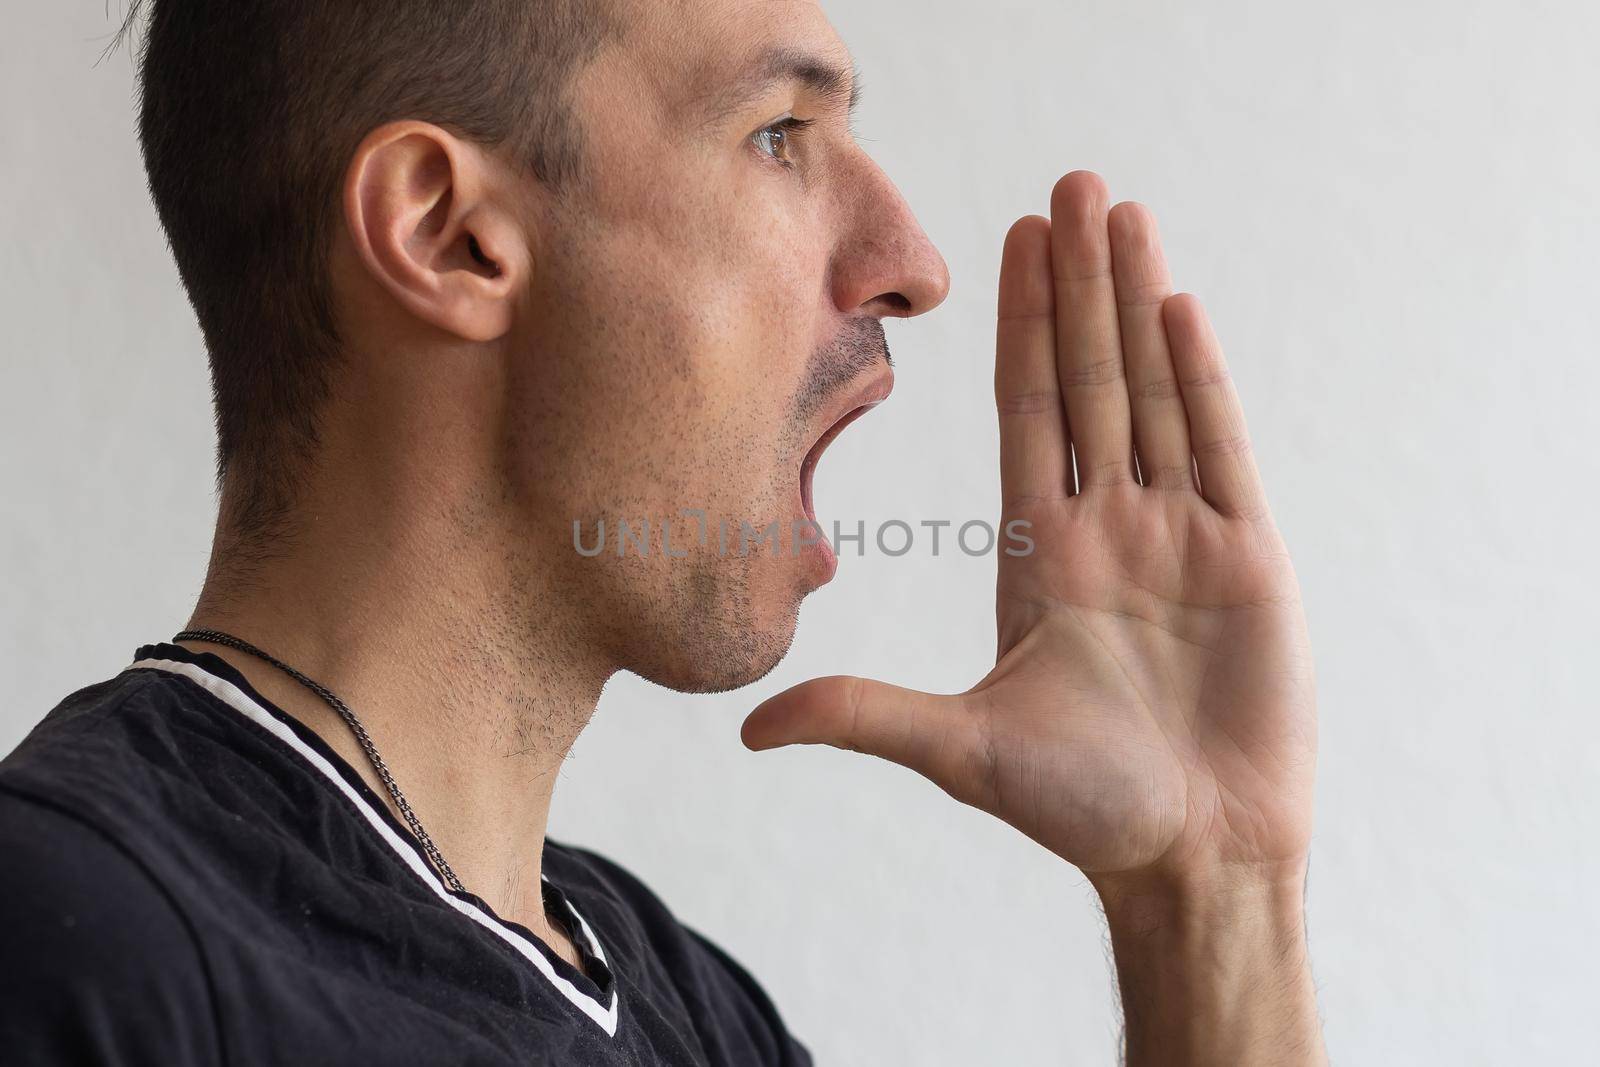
(715, 657)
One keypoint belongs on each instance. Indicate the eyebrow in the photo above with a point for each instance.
(839, 85)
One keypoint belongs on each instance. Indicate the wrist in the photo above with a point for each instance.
(1256, 898)
(1213, 966)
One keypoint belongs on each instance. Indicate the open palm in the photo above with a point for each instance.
(1152, 704)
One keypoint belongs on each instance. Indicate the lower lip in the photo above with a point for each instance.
(824, 564)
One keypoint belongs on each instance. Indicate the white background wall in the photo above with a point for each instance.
(1389, 209)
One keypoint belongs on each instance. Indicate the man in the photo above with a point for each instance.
(477, 279)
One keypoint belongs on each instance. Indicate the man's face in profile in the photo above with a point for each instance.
(703, 311)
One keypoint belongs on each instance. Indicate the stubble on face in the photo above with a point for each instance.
(738, 612)
(674, 366)
(860, 349)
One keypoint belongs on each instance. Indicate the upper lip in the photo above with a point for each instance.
(868, 393)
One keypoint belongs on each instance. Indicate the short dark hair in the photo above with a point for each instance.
(249, 113)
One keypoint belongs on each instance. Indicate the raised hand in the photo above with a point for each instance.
(1151, 710)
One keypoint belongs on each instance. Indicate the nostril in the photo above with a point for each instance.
(899, 303)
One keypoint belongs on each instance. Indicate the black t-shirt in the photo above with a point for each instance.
(190, 876)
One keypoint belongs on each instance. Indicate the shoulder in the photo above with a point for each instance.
(135, 718)
(153, 761)
(732, 1006)
(115, 757)
(100, 965)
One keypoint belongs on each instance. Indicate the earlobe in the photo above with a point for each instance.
(427, 228)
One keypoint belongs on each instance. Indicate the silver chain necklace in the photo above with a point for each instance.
(217, 637)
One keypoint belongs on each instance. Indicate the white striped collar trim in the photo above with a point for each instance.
(235, 698)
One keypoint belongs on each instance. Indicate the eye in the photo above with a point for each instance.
(774, 141)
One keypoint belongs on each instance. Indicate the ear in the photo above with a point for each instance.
(427, 225)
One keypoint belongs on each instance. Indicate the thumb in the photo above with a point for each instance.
(936, 736)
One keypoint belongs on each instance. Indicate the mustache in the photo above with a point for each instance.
(860, 347)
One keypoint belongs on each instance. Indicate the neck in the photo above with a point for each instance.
(455, 656)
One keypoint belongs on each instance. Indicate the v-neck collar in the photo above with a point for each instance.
(592, 991)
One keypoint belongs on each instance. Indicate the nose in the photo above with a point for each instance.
(885, 266)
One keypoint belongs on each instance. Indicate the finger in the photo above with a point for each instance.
(1088, 344)
(1160, 426)
(932, 735)
(1228, 476)
(1034, 457)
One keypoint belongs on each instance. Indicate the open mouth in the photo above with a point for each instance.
(808, 466)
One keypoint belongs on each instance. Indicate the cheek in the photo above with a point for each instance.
(762, 319)
(757, 299)
(683, 338)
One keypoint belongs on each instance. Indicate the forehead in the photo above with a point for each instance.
(699, 54)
